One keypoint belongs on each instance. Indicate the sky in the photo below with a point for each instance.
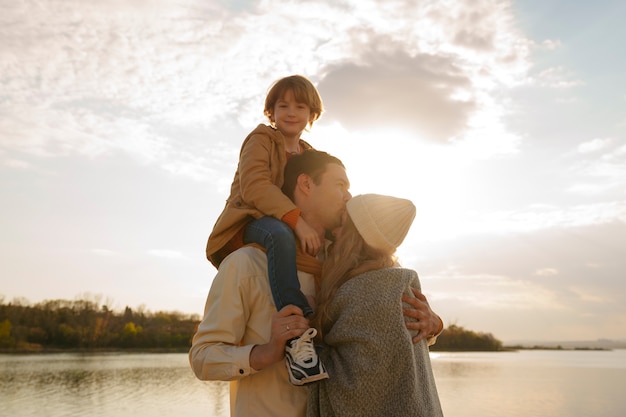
(503, 121)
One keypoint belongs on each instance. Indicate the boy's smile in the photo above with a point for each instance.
(290, 116)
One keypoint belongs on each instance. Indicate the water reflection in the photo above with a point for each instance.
(532, 383)
(511, 384)
(106, 385)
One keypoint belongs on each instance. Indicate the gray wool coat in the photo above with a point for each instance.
(375, 369)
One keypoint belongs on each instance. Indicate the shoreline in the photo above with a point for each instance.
(45, 351)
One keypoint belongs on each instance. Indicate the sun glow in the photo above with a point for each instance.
(437, 178)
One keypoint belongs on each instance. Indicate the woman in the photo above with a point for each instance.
(375, 368)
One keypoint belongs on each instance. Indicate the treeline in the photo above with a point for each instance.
(87, 325)
(456, 338)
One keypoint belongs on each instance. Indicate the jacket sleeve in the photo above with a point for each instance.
(216, 352)
(258, 177)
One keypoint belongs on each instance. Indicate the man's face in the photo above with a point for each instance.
(330, 196)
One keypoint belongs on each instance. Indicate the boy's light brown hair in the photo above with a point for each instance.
(303, 90)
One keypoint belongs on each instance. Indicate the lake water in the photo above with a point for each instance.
(503, 384)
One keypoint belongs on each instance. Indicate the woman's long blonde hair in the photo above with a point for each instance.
(350, 256)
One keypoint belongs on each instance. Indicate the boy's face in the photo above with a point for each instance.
(290, 116)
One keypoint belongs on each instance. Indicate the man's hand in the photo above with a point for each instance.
(428, 323)
(288, 323)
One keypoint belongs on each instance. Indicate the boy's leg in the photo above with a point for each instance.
(280, 245)
(303, 364)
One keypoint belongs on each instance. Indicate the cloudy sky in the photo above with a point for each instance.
(504, 121)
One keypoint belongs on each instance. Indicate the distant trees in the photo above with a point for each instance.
(85, 324)
(456, 338)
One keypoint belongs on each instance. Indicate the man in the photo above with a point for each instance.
(241, 337)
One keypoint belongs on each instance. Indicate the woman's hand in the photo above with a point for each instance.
(428, 323)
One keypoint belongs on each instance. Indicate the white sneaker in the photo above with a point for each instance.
(303, 364)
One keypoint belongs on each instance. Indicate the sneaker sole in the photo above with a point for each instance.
(312, 378)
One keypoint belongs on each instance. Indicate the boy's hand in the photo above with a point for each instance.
(308, 237)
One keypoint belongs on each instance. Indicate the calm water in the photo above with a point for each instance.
(510, 384)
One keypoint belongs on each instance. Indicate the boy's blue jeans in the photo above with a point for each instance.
(280, 246)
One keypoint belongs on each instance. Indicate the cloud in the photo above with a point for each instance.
(18, 164)
(103, 252)
(540, 217)
(594, 145)
(568, 279)
(551, 44)
(590, 294)
(547, 272)
(558, 77)
(98, 78)
(491, 292)
(400, 91)
(599, 168)
(582, 255)
(435, 74)
(167, 253)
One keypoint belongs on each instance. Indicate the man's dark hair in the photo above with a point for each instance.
(312, 163)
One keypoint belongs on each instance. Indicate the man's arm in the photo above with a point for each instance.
(241, 333)
(428, 322)
(288, 323)
(215, 352)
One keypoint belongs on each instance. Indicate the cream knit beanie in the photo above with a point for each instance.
(382, 221)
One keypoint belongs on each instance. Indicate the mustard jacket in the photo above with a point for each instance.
(255, 191)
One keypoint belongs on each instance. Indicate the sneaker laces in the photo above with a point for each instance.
(302, 349)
